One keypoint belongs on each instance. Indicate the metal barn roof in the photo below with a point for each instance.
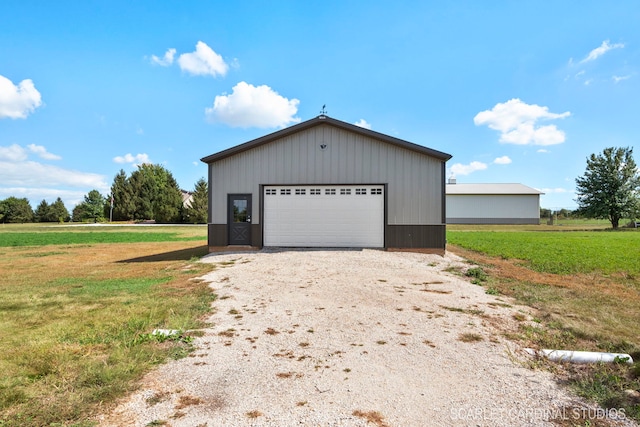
(506, 189)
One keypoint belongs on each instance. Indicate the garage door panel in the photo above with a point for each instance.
(324, 216)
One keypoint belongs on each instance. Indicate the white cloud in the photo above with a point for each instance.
(542, 150)
(34, 174)
(553, 190)
(617, 79)
(601, 50)
(16, 153)
(460, 169)
(517, 123)
(166, 60)
(138, 159)
(17, 102)
(36, 181)
(253, 106)
(363, 124)
(42, 152)
(13, 153)
(204, 61)
(504, 160)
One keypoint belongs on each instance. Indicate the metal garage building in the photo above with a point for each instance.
(327, 183)
(492, 204)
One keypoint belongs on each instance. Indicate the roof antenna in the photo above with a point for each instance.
(323, 112)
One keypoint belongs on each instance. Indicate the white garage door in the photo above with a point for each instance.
(324, 216)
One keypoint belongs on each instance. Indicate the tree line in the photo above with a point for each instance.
(150, 193)
(559, 213)
(609, 189)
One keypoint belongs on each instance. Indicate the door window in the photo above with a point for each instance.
(239, 210)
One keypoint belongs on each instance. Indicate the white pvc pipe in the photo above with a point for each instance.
(165, 332)
(580, 356)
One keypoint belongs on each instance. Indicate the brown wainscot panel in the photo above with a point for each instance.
(416, 237)
(218, 235)
(219, 238)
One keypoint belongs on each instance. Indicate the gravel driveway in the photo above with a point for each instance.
(347, 338)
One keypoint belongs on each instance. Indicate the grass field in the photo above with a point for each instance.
(91, 237)
(78, 305)
(585, 288)
(559, 252)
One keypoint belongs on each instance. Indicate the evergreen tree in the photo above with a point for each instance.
(123, 198)
(196, 211)
(91, 208)
(78, 214)
(157, 195)
(143, 188)
(41, 214)
(58, 211)
(94, 202)
(150, 193)
(14, 210)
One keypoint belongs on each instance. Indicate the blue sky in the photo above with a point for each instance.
(516, 91)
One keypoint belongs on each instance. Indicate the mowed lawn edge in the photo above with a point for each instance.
(77, 318)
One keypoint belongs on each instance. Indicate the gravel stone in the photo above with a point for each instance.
(349, 338)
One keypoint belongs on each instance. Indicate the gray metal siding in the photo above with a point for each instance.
(492, 208)
(415, 236)
(415, 180)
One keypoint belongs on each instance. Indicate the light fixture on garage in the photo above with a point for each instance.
(323, 147)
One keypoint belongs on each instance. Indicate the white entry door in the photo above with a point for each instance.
(324, 216)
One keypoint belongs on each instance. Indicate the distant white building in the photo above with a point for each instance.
(492, 204)
(187, 198)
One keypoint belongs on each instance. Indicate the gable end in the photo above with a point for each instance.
(324, 120)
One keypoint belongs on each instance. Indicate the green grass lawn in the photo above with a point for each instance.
(78, 306)
(559, 252)
(41, 238)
